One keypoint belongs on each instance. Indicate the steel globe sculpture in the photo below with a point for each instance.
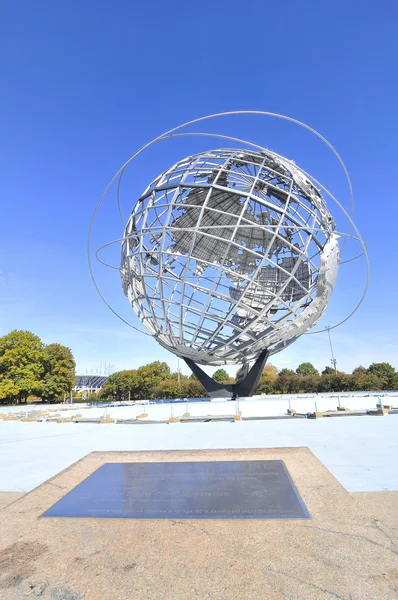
(229, 256)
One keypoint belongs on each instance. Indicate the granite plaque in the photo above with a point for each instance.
(245, 489)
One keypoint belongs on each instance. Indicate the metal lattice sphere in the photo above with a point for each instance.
(227, 253)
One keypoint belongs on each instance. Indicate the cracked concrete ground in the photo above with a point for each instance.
(348, 549)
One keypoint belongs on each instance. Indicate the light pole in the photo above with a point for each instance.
(332, 360)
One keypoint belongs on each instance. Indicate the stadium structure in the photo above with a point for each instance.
(90, 383)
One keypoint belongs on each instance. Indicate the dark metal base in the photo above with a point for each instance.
(242, 388)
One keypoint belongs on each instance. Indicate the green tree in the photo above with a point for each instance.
(385, 372)
(136, 383)
(328, 371)
(372, 382)
(360, 369)
(306, 368)
(285, 371)
(364, 382)
(287, 384)
(309, 383)
(21, 365)
(149, 377)
(122, 386)
(395, 381)
(188, 388)
(168, 388)
(114, 387)
(220, 376)
(59, 376)
(329, 382)
(268, 380)
(193, 389)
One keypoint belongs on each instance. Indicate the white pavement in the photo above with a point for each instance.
(361, 452)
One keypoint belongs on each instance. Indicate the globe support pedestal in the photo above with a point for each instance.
(243, 388)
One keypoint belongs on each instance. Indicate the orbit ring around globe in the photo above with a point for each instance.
(230, 251)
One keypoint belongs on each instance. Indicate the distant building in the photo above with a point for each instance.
(90, 383)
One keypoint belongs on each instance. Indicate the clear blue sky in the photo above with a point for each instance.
(84, 84)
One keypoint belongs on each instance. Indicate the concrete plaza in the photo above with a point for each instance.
(361, 452)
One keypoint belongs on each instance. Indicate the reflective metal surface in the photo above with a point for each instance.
(258, 489)
(227, 253)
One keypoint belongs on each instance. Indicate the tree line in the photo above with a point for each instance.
(28, 367)
(306, 379)
(156, 380)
